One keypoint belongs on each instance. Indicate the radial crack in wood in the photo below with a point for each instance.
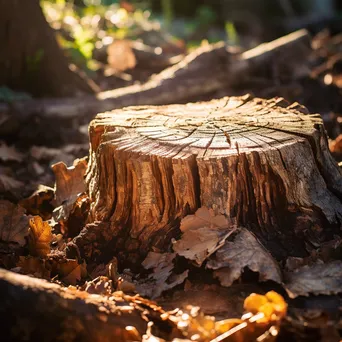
(262, 162)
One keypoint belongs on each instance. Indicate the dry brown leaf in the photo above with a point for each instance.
(335, 146)
(69, 180)
(33, 266)
(43, 153)
(245, 251)
(39, 202)
(162, 278)
(121, 56)
(69, 185)
(40, 237)
(14, 224)
(318, 279)
(203, 234)
(8, 183)
(71, 272)
(66, 154)
(204, 217)
(10, 153)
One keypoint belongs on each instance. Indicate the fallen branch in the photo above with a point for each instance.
(34, 309)
(202, 72)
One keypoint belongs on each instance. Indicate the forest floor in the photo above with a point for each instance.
(43, 162)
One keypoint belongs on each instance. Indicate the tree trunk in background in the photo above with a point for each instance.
(30, 57)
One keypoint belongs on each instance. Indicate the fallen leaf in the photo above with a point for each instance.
(66, 154)
(203, 234)
(69, 186)
(14, 224)
(162, 278)
(8, 183)
(318, 279)
(292, 263)
(43, 153)
(203, 217)
(71, 272)
(77, 216)
(33, 266)
(40, 237)
(245, 251)
(335, 146)
(10, 153)
(69, 180)
(39, 203)
(121, 56)
(155, 260)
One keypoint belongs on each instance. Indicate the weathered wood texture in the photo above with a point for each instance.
(36, 310)
(260, 162)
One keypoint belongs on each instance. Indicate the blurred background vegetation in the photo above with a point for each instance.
(85, 25)
(100, 37)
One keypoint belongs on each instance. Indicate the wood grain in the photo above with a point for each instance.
(262, 163)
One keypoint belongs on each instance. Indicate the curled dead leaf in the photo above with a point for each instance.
(39, 203)
(203, 234)
(10, 153)
(121, 56)
(318, 279)
(14, 224)
(245, 251)
(204, 217)
(33, 266)
(10, 184)
(71, 272)
(69, 186)
(162, 278)
(40, 237)
(69, 180)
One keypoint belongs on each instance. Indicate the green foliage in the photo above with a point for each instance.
(205, 15)
(231, 32)
(85, 25)
(167, 12)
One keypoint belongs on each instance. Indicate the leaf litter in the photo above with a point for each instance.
(245, 251)
(212, 239)
(318, 279)
(10, 153)
(203, 234)
(40, 237)
(162, 278)
(14, 224)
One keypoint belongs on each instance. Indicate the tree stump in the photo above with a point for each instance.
(262, 163)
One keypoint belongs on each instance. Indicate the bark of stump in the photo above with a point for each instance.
(262, 162)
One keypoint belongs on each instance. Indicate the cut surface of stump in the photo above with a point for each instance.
(262, 163)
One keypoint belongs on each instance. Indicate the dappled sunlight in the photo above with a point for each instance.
(170, 170)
